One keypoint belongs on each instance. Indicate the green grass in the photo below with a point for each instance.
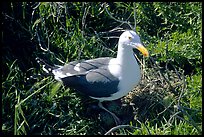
(168, 100)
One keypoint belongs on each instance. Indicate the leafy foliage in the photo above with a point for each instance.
(60, 32)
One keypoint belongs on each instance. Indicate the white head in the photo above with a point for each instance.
(130, 39)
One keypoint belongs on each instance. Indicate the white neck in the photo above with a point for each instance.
(125, 56)
(125, 66)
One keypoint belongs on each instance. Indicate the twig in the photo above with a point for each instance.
(56, 57)
(84, 18)
(134, 4)
(116, 29)
(192, 121)
(83, 27)
(123, 22)
(177, 72)
(181, 110)
(139, 60)
(112, 37)
(119, 127)
(37, 5)
(199, 130)
(97, 35)
(17, 22)
(166, 108)
(163, 76)
(182, 91)
(39, 41)
(190, 109)
(47, 48)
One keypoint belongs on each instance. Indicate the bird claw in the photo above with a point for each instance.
(117, 120)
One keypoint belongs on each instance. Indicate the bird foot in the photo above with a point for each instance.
(117, 120)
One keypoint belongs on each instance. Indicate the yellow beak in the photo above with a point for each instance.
(142, 49)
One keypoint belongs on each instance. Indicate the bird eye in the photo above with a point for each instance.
(130, 38)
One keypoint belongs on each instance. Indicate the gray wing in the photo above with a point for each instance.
(96, 83)
(85, 65)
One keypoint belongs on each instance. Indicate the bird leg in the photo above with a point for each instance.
(117, 120)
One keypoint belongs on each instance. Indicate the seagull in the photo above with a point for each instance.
(105, 78)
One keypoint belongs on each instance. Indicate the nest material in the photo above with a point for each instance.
(157, 83)
(163, 86)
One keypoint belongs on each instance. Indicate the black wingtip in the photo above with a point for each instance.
(46, 67)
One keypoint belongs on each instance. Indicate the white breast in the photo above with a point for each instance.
(129, 76)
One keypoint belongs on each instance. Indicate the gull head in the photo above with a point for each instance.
(130, 39)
